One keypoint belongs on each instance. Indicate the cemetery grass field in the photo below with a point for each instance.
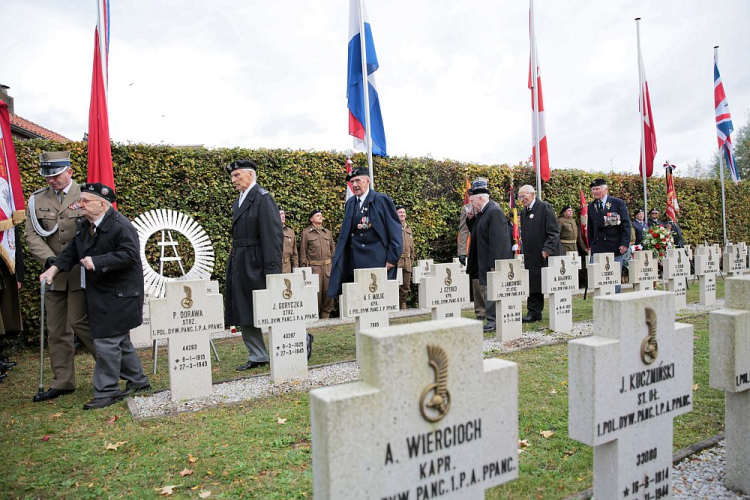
(262, 448)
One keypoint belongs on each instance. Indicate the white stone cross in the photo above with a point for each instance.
(575, 259)
(285, 307)
(456, 260)
(560, 280)
(706, 268)
(421, 270)
(733, 260)
(508, 285)
(445, 291)
(604, 274)
(627, 383)
(676, 272)
(309, 278)
(140, 336)
(369, 300)
(430, 418)
(643, 270)
(186, 317)
(730, 372)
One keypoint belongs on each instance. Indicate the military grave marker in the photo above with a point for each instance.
(676, 272)
(445, 291)
(733, 260)
(141, 335)
(508, 285)
(422, 270)
(369, 300)
(560, 280)
(627, 383)
(430, 418)
(730, 372)
(186, 317)
(643, 270)
(604, 274)
(284, 307)
(706, 268)
(309, 278)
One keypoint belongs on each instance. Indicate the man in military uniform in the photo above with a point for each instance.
(407, 256)
(609, 223)
(316, 251)
(51, 216)
(370, 234)
(289, 257)
(257, 242)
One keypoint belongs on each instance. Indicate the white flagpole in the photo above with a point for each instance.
(103, 34)
(366, 89)
(721, 172)
(641, 111)
(535, 100)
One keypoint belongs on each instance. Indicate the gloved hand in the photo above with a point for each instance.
(462, 259)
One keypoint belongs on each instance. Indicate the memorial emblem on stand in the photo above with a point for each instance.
(440, 399)
(649, 346)
(287, 293)
(374, 284)
(187, 302)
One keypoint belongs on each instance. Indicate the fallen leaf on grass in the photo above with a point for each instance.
(523, 443)
(696, 387)
(547, 434)
(553, 391)
(196, 487)
(564, 383)
(114, 446)
(520, 451)
(185, 472)
(166, 490)
(281, 421)
(215, 370)
(192, 459)
(205, 494)
(46, 437)
(112, 420)
(56, 415)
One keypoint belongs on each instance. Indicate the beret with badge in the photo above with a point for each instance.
(356, 172)
(100, 190)
(241, 164)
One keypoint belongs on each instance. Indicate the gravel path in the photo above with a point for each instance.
(702, 476)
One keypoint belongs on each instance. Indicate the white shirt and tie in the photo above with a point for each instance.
(243, 195)
(60, 193)
(361, 198)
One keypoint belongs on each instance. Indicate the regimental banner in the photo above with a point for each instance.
(11, 193)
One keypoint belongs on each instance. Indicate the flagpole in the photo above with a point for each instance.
(721, 172)
(642, 107)
(366, 89)
(535, 103)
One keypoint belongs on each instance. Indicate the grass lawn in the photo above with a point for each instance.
(56, 450)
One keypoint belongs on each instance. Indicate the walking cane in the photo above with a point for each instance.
(41, 341)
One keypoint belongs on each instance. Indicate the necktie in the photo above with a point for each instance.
(599, 205)
(92, 230)
(60, 194)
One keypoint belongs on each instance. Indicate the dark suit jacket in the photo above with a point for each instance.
(257, 242)
(539, 233)
(114, 289)
(384, 220)
(609, 238)
(489, 239)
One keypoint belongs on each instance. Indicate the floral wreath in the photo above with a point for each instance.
(658, 239)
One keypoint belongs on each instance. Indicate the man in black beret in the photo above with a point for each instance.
(257, 242)
(316, 251)
(106, 245)
(608, 223)
(639, 225)
(370, 234)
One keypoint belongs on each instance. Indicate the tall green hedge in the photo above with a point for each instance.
(193, 181)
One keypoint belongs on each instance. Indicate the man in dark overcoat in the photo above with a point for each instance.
(540, 238)
(490, 241)
(257, 243)
(370, 234)
(608, 223)
(106, 245)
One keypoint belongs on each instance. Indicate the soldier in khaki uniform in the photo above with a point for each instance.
(407, 256)
(289, 256)
(316, 251)
(50, 225)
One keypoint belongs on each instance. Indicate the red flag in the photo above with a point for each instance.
(516, 229)
(584, 220)
(541, 162)
(467, 186)
(672, 206)
(99, 146)
(647, 119)
(349, 192)
(11, 193)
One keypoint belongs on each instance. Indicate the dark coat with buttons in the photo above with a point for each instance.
(490, 241)
(540, 232)
(257, 243)
(114, 289)
(386, 247)
(609, 228)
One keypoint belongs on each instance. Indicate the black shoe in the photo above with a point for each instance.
(250, 364)
(6, 365)
(480, 318)
(51, 394)
(530, 318)
(129, 389)
(310, 340)
(97, 403)
(2, 377)
(488, 328)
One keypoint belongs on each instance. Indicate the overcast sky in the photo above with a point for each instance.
(452, 77)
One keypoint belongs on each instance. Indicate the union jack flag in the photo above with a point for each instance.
(724, 125)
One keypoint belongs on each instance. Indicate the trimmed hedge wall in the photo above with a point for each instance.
(193, 181)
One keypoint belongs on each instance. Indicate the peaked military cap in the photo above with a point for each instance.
(54, 163)
(480, 185)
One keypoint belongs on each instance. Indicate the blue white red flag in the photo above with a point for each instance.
(724, 126)
(355, 85)
(99, 146)
(349, 191)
